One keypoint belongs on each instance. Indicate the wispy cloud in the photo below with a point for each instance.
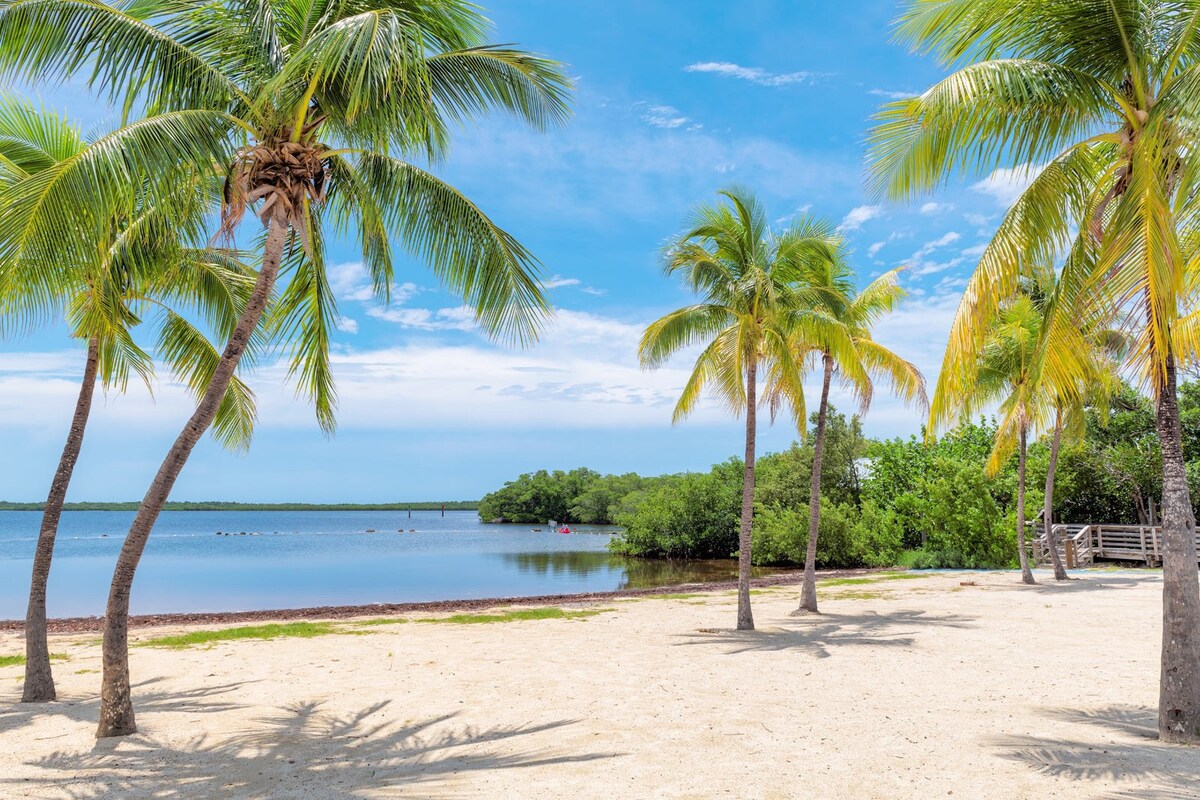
(753, 74)
(857, 216)
(921, 264)
(556, 281)
(892, 95)
(667, 117)
(936, 208)
(1006, 185)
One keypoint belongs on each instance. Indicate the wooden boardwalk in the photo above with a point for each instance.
(1081, 545)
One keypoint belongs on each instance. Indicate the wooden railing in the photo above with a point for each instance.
(1080, 545)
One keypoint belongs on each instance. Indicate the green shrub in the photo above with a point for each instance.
(692, 516)
(965, 525)
(847, 536)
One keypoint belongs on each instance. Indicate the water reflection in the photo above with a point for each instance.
(630, 573)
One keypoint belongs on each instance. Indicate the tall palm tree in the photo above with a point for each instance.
(144, 265)
(304, 106)
(852, 355)
(751, 302)
(1103, 94)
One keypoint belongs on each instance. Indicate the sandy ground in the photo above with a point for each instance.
(900, 689)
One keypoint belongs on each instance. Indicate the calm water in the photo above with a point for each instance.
(312, 558)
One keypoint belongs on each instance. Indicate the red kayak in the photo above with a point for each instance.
(564, 529)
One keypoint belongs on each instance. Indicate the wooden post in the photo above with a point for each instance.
(1069, 551)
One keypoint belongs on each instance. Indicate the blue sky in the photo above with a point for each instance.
(670, 107)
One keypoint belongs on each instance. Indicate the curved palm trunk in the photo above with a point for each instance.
(39, 682)
(808, 599)
(745, 617)
(1179, 690)
(1026, 572)
(1060, 574)
(116, 706)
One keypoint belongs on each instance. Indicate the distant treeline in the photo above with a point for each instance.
(213, 505)
(914, 502)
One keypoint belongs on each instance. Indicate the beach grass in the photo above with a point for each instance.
(370, 623)
(19, 661)
(274, 630)
(858, 594)
(887, 576)
(516, 615)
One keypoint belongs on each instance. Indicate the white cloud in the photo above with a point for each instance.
(752, 74)
(936, 208)
(874, 249)
(892, 95)
(556, 281)
(921, 265)
(350, 281)
(857, 216)
(662, 116)
(1006, 185)
(941, 241)
(347, 325)
(976, 250)
(458, 318)
(592, 290)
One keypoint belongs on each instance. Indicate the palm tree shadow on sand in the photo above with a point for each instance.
(820, 634)
(298, 751)
(1128, 751)
(85, 710)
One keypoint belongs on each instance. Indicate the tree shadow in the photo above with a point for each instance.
(300, 751)
(1088, 582)
(86, 708)
(1130, 751)
(819, 634)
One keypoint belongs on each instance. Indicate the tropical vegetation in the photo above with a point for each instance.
(1095, 100)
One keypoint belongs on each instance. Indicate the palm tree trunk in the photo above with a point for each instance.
(39, 682)
(1179, 690)
(1060, 574)
(745, 617)
(808, 599)
(1026, 572)
(116, 706)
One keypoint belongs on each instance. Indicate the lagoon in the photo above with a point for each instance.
(292, 559)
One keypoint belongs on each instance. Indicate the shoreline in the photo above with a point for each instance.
(92, 624)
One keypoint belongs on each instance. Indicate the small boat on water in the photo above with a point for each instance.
(564, 529)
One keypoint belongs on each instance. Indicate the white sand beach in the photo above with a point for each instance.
(900, 689)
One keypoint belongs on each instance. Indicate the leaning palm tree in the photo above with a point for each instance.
(145, 264)
(751, 301)
(1103, 94)
(852, 355)
(305, 108)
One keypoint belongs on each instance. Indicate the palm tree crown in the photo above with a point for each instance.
(302, 107)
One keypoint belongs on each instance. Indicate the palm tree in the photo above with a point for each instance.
(751, 302)
(1104, 350)
(144, 265)
(852, 355)
(1007, 373)
(304, 105)
(1103, 94)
